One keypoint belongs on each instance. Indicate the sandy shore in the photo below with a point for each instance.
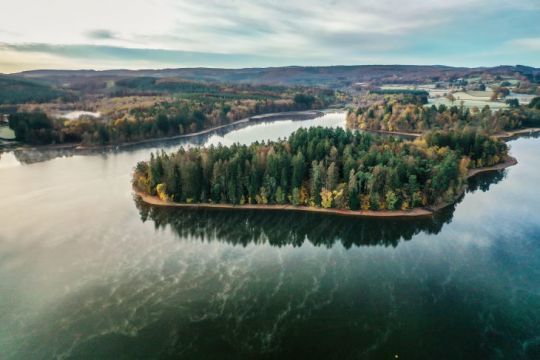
(510, 161)
(412, 213)
(418, 212)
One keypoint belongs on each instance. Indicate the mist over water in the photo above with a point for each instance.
(88, 271)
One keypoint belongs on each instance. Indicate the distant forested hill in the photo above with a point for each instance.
(332, 76)
(16, 91)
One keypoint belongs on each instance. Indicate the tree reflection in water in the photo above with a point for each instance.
(281, 228)
(483, 181)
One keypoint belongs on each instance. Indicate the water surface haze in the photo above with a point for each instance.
(88, 271)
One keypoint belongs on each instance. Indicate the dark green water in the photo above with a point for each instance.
(87, 271)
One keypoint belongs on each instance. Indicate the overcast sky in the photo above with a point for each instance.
(102, 34)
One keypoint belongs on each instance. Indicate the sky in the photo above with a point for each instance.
(137, 34)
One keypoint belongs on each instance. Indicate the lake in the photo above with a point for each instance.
(88, 271)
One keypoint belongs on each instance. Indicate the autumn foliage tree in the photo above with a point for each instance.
(322, 167)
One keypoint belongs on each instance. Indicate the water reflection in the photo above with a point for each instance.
(483, 181)
(244, 227)
(276, 228)
(31, 155)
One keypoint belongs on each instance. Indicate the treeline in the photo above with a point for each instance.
(329, 168)
(479, 149)
(410, 96)
(153, 86)
(161, 119)
(393, 115)
(17, 91)
(32, 128)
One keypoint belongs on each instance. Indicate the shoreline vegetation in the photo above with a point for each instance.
(414, 212)
(504, 135)
(286, 115)
(179, 108)
(270, 117)
(411, 117)
(325, 170)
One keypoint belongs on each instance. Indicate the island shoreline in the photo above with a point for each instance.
(427, 211)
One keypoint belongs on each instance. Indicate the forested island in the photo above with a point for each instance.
(324, 168)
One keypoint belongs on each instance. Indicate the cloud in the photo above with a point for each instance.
(526, 43)
(300, 31)
(100, 34)
(86, 56)
(239, 25)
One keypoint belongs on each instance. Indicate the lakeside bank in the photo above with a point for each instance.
(411, 213)
(255, 119)
(506, 135)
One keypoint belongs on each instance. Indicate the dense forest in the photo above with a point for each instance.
(17, 91)
(186, 113)
(394, 115)
(329, 168)
(419, 97)
(336, 77)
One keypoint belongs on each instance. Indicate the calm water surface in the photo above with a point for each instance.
(87, 271)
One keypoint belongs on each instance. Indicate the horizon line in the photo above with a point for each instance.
(269, 67)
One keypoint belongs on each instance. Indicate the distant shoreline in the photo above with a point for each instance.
(501, 135)
(285, 115)
(510, 134)
(412, 213)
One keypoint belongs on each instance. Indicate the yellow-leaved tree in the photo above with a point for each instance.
(161, 190)
(326, 198)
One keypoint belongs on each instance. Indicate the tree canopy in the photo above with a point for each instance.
(187, 113)
(392, 115)
(322, 167)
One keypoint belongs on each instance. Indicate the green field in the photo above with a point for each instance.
(6, 133)
(467, 103)
(469, 99)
